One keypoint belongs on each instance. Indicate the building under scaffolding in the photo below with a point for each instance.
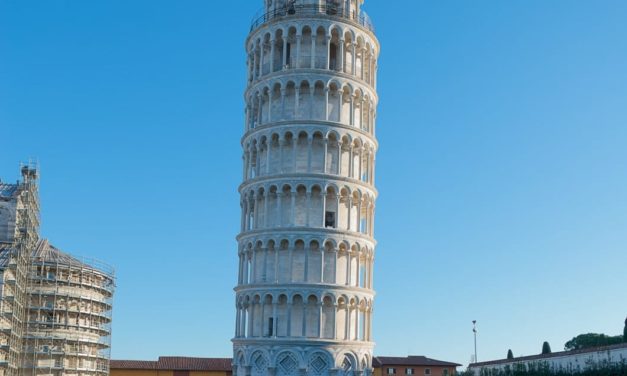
(55, 309)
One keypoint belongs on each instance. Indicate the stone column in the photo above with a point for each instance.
(335, 309)
(289, 318)
(270, 105)
(349, 204)
(358, 271)
(294, 153)
(308, 211)
(347, 326)
(251, 314)
(255, 63)
(322, 264)
(328, 52)
(276, 265)
(361, 113)
(359, 171)
(326, 104)
(296, 101)
(309, 152)
(259, 110)
(363, 63)
(359, 217)
(275, 321)
(324, 208)
(272, 47)
(306, 267)
(293, 211)
(348, 267)
(319, 319)
(263, 58)
(246, 268)
(305, 306)
(253, 271)
(353, 58)
(324, 155)
(298, 39)
(263, 316)
(258, 162)
(246, 204)
(313, 50)
(341, 59)
(290, 257)
(264, 273)
(312, 110)
(245, 158)
(350, 161)
(340, 95)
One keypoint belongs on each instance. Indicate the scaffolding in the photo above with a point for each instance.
(14, 264)
(55, 309)
(69, 315)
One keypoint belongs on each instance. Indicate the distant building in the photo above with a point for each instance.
(173, 366)
(55, 310)
(412, 365)
(182, 366)
(570, 361)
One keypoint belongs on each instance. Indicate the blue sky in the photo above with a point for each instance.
(502, 129)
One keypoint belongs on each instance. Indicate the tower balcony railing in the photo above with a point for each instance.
(263, 16)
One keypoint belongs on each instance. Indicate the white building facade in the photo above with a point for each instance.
(306, 249)
(567, 361)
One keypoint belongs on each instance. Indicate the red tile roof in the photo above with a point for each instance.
(133, 364)
(412, 360)
(224, 364)
(178, 363)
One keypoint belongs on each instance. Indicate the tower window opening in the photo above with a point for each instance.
(363, 225)
(329, 219)
(333, 56)
(362, 276)
(288, 54)
(270, 326)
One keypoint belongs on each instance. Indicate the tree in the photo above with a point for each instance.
(625, 332)
(546, 348)
(584, 341)
(510, 354)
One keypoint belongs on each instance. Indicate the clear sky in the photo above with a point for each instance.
(502, 167)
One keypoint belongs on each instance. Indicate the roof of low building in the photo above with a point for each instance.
(548, 356)
(412, 360)
(224, 364)
(176, 363)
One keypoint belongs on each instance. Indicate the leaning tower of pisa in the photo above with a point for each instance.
(306, 249)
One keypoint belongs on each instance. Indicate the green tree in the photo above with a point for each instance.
(584, 341)
(625, 332)
(546, 348)
(510, 354)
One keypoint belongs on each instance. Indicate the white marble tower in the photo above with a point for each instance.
(306, 249)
